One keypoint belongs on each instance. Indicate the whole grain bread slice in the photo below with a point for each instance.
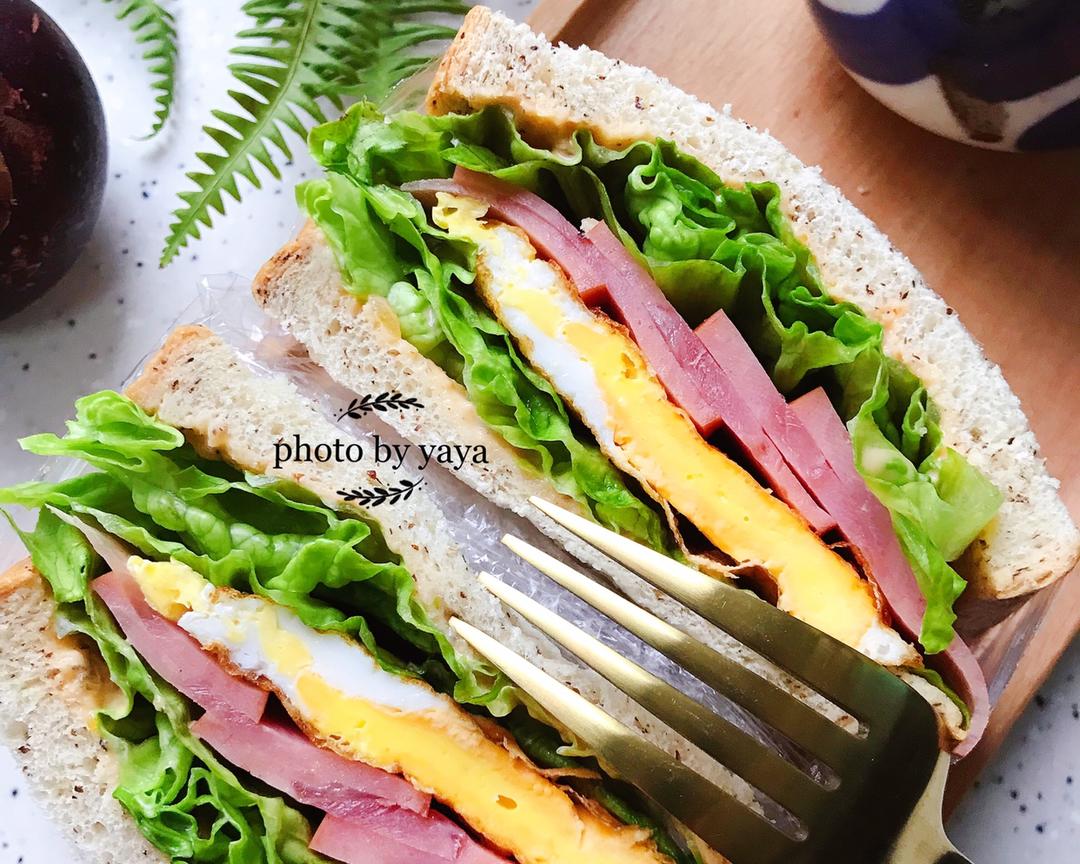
(553, 90)
(49, 688)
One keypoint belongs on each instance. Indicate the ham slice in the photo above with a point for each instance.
(174, 655)
(283, 757)
(713, 375)
(693, 378)
(399, 838)
(549, 231)
(867, 525)
(603, 271)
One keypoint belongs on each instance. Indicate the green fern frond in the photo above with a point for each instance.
(155, 27)
(297, 54)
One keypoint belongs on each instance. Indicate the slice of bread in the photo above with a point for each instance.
(48, 689)
(553, 90)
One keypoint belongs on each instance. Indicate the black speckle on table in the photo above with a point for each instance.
(145, 194)
(25, 367)
(92, 355)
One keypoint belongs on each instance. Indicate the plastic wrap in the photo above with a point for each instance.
(475, 523)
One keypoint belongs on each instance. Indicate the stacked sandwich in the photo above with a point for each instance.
(643, 310)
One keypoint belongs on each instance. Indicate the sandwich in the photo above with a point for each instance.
(657, 316)
(209, 659)
(630, 304)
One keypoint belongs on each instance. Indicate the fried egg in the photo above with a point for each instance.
(599, 370)
(343, 699)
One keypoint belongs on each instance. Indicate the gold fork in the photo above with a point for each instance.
(880, 800)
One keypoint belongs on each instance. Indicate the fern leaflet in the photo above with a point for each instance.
(155, 27)
(297, 53)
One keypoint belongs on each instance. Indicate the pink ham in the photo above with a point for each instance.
(732, 352)
(695, 381)
(395, 838)
(548, 230)
(604, 272)
(174, 655)
(867, 525)
(371, 815)
(283, 757)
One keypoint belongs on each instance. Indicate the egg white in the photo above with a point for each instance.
(249, 631)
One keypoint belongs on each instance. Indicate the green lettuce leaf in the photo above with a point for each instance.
(252, 534)
(710, 246)
(387, 247)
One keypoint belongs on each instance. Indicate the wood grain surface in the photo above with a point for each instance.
(996, 234)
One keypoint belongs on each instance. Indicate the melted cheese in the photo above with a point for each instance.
(344, 699)
(599, 370)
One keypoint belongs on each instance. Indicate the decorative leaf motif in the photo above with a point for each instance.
(154, 26)
(377, 495)
(298, 53)
(382, 402)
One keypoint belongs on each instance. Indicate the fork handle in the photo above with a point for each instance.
(923, 840)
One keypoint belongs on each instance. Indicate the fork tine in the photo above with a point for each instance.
(709, 811)
(791, 717)
(820, 661)
(724, 742)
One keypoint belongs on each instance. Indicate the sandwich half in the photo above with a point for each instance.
(209, 658)
(644, 307)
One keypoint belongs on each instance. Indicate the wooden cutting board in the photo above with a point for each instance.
(996, 234)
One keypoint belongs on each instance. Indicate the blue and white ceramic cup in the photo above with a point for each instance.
(995, 73)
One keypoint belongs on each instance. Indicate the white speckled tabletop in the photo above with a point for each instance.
(112, 308)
